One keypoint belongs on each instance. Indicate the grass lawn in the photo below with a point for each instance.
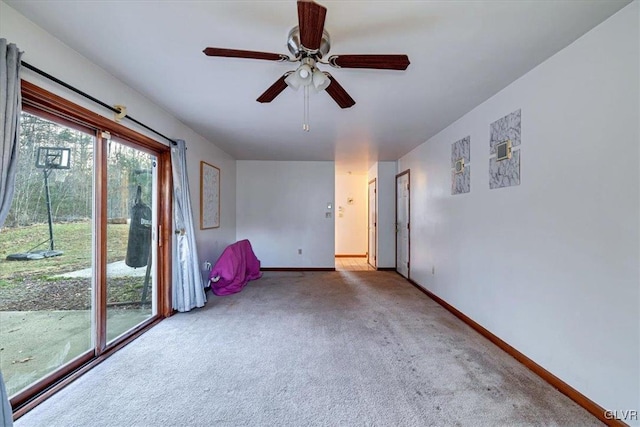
(34, 285)
(74, 239)
(45, 321)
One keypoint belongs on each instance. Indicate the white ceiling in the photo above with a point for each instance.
(461, 53)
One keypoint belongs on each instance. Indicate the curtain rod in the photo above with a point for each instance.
(91, 98)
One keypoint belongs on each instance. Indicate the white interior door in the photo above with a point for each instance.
(402, 224)
(372, 224)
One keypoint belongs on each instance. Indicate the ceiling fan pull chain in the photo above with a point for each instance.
(305, 124)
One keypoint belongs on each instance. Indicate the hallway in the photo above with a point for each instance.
(353, 264)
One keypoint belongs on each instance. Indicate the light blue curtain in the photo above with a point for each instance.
(188, 286)
(6, 416)
(10, 103)
(9, 118)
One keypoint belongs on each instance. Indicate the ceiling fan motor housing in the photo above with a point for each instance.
(299, 51)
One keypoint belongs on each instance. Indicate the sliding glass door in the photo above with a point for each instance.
(83, 265)
(131, 219)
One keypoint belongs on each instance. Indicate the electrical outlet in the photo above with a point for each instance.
(207, 265)
(327, 214)
(299, 251)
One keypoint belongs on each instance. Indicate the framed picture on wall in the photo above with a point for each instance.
(209, 196)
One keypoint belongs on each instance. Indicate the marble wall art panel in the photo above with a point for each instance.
(461, 182)
(504, 173)
(461, 149)
(505, 128)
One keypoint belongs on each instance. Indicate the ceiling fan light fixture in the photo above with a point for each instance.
(320, 80)
(304, 74)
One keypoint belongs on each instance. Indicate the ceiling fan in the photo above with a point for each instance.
(309, 43)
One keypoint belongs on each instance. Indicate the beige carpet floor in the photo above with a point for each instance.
(311, 348)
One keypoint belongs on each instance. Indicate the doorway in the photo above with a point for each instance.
(350, 220)
(372, 224)
(403, 227)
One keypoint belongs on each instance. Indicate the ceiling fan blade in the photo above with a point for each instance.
(311, 22)
(249, 54)
(337, 92)
(274, 90)
(380, 62)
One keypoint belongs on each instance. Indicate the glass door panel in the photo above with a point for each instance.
(46, 254)
(131, 221)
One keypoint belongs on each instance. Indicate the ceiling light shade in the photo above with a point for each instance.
(292, 81)
(304, 74)
(320, 81)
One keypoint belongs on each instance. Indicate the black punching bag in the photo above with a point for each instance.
(139, 233)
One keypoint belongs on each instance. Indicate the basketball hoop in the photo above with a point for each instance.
(53, 158)
(47, 159)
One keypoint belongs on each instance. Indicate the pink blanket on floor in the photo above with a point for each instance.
(235, 267)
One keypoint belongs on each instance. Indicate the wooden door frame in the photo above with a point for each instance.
(408, 173)
(53, 107)
(375, 224)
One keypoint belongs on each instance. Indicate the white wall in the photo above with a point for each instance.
(281, 208)
(212, 242)
(385, 175)
(351, 221)
(550, 266)
(46, 52)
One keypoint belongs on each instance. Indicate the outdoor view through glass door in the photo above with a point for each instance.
(131, 190)
(77, 252)
(45, 300)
